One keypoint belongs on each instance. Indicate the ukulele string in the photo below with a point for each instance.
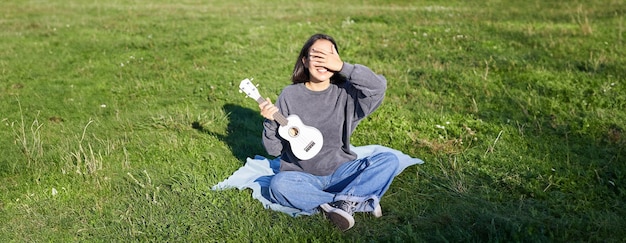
(302, 140)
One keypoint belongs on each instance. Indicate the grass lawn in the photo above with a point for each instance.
(117, 117)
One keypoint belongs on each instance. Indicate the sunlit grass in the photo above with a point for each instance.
(118, 117)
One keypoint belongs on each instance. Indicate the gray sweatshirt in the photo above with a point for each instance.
(335, 112)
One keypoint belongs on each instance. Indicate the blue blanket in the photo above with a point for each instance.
(257, 173)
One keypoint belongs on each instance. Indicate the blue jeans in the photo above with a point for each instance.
(363, 181)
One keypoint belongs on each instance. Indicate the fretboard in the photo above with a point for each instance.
(277, 116)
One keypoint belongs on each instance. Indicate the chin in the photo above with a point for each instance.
(324, 77)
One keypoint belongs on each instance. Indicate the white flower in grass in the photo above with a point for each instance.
(54, 191)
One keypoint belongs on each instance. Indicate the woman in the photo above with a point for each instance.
(332, 96)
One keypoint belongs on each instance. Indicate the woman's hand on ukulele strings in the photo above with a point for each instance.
(268, 109)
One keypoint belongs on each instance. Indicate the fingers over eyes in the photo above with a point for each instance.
(315, 55)
(319, 52)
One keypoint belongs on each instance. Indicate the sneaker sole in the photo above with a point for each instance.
(343, 220)
(378, 211)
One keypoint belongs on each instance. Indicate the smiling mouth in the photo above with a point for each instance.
(322, 70)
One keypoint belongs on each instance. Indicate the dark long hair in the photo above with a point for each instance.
(300, 72)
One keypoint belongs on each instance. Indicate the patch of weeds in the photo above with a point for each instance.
(29, 142)
(84, 160)
(146, 188)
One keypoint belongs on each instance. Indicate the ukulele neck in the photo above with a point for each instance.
(277, 116)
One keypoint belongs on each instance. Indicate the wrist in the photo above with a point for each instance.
(346, 69)
(337, 68)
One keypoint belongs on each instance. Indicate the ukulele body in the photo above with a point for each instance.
(305, 141)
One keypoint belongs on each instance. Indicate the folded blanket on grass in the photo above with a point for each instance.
(257, 173)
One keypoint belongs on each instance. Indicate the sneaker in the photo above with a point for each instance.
(378, 211)
(340, 213)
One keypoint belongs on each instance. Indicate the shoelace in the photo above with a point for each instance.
(347, 206)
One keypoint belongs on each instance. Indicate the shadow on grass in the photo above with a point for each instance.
(243, 134)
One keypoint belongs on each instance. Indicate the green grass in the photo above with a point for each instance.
(119, 116)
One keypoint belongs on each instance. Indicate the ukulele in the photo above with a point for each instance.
(305, 141)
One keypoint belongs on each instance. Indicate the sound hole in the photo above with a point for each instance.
(293, 132)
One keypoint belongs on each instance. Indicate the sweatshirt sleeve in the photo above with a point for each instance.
(271, 142)
(271, 139)
(368, 88)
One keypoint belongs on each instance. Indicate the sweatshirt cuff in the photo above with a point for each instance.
(347, 69)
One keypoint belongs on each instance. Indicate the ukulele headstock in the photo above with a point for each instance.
(246, 86)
